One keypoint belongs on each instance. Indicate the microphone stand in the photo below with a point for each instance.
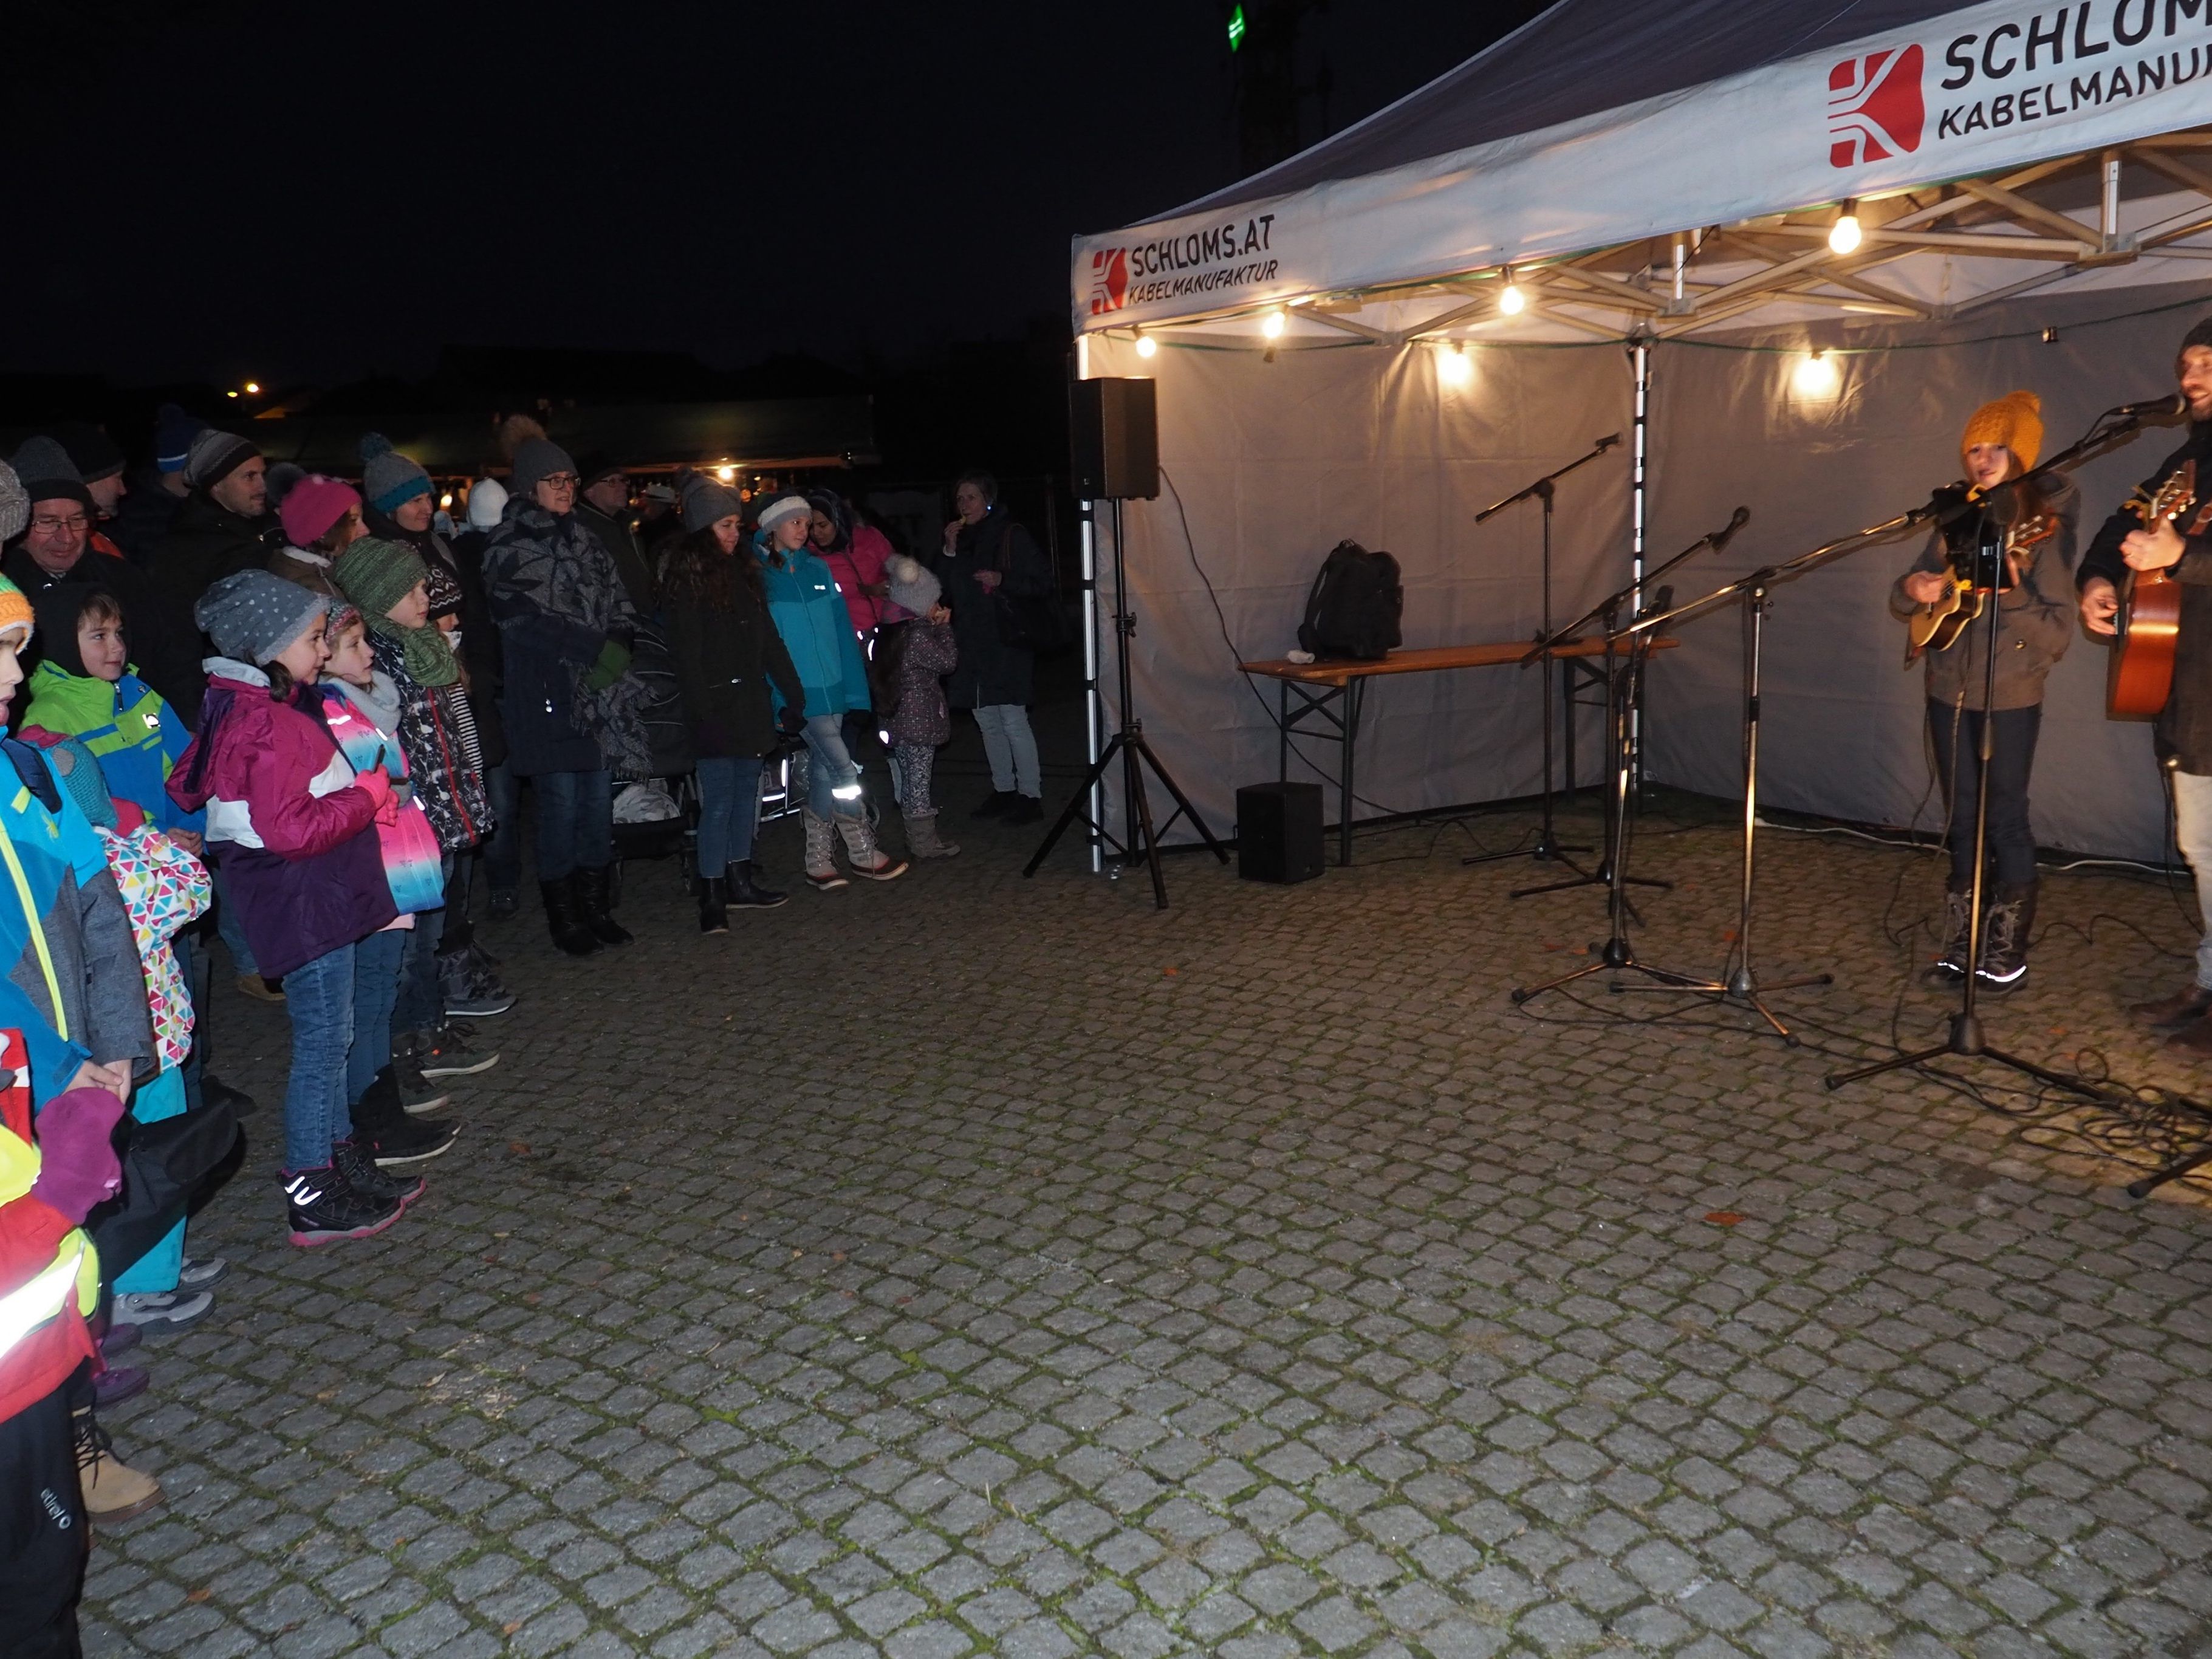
(1547, 849)
(1618, 954)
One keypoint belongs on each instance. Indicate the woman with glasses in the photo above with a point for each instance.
(571, 708)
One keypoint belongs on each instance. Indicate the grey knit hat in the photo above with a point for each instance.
(215, 455)
(784, 506)
(253, 615)
(14, 505)
(388, 478)
(47, 474)
(706, 502)
(913, 585)
(536, 459)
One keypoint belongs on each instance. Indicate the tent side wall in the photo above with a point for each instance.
(1843, 722)
(1276, 462)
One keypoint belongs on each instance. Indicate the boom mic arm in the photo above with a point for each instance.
(1721, 538)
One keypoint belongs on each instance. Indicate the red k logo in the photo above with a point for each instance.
(1875, 109)
(1109, 279)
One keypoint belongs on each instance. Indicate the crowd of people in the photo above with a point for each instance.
(287, 717)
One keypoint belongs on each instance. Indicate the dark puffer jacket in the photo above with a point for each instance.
(2184, 730)
(991, 671)
(725, 661)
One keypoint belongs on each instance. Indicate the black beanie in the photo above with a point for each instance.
(2199, 335)
(96, 455)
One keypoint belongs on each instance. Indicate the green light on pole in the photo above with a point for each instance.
(1235, 28)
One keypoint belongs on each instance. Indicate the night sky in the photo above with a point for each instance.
(210, 189)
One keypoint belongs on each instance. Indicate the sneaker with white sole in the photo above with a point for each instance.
(202, 1272)
(159, 1312)
(450, 1052)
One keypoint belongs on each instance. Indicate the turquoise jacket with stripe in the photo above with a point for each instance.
(72, 981)
(809, 613)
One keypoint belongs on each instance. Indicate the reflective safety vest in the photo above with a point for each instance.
(27, 1307)
(42, 1332)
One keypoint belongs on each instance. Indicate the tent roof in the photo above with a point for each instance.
(1578, 58)
(1646, 171)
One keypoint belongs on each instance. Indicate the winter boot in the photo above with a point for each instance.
(324, 1208)
(820, 853)
(745, 893)
(995, 805)
(594, 898)
(383, 1104)
(869, 861)
(113, 1493)
(922, 840)
(713, 904)
(449, 1051)
(361, 1174)
(466, 993)
(1950, 967)
(2004, 937)
(563, 920)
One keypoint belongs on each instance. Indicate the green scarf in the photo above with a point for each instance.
(376, 574)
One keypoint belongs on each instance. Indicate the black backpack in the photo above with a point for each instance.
(1353, 606)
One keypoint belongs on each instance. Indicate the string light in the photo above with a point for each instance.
(1148, 346)
(445, 500)
(1846, 235)
(726, 472)
(1816, 377)
(1273, 326)
(1455, 366)
(1512, 301)
(254, 388)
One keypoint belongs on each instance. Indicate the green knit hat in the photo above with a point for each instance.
(376, 574)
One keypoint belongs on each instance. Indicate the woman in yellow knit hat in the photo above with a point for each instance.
(2035, 618)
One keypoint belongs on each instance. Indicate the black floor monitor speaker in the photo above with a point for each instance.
(1279, 832)
(1114, 438)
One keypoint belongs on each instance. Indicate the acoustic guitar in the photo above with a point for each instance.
(1938, 625)
(2140, 676)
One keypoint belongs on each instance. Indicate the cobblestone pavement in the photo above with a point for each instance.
(981, 1266)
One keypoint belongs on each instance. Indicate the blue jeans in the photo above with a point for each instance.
(502, 854)
(376, 970)
(830, 768)
(729, 809)
(229, 925)
(318, 996)
(421, 1004)
(575, 822)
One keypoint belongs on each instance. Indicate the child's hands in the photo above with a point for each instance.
(940, 614)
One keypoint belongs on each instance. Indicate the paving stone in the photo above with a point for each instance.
(1366, 1313)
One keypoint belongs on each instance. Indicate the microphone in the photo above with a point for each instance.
(2150, 409)
(1720, 539)
(1607, 443)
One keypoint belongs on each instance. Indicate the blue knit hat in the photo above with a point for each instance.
(173, 432)
(388, 478)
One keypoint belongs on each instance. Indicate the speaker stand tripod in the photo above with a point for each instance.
(1139, 840)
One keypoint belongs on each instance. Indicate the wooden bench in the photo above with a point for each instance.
(1332, 694)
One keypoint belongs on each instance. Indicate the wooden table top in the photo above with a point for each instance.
(1427, 661)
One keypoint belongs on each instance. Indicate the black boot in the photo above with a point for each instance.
(713, 900)
(1950, 967)
(387, 1135)
(745, 893)
(2004, 937)
(593, 888)
(562, 918)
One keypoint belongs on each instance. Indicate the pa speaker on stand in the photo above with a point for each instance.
(1114, 439)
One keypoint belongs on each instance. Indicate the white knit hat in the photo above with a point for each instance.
(487, 503)
(777, 511)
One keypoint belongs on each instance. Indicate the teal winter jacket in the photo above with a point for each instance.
(811, 615)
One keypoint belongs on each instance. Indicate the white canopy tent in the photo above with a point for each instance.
(1625, 217)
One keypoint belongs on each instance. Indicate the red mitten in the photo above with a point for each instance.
(77, 1166)
(377, 787)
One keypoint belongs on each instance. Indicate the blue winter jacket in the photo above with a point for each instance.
(816, 629)
(71, 979)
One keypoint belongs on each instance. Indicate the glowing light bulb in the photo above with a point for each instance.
(1816, 376)
(1512, 301)
(254, 388)
(1846, 235)
(1454, 368)
(445, 500)
(230, 394)
(1273, 326)
(1148, 346)
(725, 473)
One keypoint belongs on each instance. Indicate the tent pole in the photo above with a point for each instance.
(1638, 463)
(1087, 521)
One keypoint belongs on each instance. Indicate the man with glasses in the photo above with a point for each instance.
(57, 547)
